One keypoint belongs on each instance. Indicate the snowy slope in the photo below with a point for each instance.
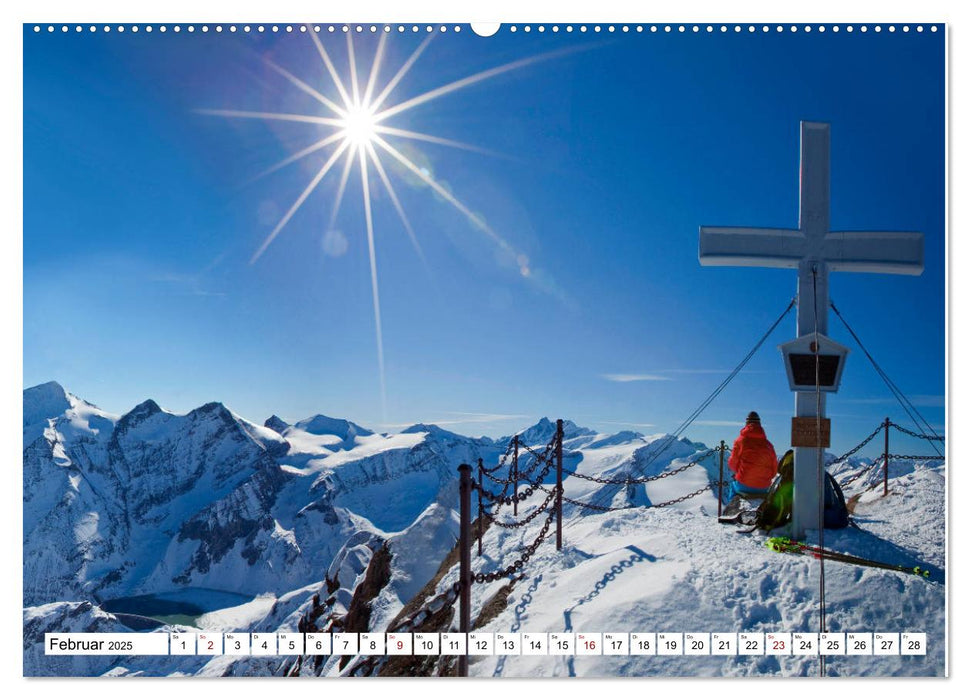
(326, 525)
(675, 570)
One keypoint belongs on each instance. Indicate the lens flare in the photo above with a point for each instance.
(355, 123)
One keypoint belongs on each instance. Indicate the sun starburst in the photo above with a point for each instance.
(360, 133)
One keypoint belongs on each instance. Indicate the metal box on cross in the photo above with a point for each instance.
(799, 356)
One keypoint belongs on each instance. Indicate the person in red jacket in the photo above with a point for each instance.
(753, 462)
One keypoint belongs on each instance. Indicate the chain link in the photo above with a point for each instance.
(603, 509)
(643, 479)
(525, 473)
(502, 460)
(546, 449)
(663, 504)
(487, 493)
(860, 473)
(700, 491)
(524, 557)
(499, 480)
(519, 496)
(916, 435)
(935, 458)
(538, 458)
(527, 519)
(876, 431)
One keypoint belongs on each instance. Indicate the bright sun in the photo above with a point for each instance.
(356, 130)
(359, 126)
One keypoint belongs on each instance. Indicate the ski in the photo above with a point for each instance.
(787, 546)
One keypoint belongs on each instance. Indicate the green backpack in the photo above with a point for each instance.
(776, 509)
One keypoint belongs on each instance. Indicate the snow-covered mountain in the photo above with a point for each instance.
(150, 500)
(209, 520)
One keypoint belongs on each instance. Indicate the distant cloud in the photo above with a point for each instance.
(186, 284)
(191, 283)
(485, 417)
(722, 371)
(635, 378)
(660, 374)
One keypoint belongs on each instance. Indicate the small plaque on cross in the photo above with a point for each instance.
(804, 432)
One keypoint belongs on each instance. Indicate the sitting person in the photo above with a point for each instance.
(753, 461)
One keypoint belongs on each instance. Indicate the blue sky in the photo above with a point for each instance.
(141, 215)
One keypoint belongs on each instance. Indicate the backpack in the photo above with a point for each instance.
(776, 509)
(835, 514)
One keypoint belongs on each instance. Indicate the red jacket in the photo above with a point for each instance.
(753, 458)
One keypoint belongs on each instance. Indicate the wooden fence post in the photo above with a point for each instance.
(465, 559)
(480, 519)
(721, 476)
(886, 453)
(515, 474)
(559, 484)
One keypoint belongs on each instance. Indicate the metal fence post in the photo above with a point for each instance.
(479, 520)
(559, 484)
(721, 476)
(465, 559)
(886, 453)
(515, 474)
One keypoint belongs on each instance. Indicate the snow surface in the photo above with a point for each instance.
(674, 570)
(291, 514)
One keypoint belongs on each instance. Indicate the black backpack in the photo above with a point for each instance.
(835, 514)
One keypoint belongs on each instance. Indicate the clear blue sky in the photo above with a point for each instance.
(141, 215)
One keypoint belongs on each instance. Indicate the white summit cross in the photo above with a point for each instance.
(814, 250)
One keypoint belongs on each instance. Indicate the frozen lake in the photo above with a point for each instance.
(183, 606)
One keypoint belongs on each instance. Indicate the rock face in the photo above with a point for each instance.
(62, 618)
(102, 503)
(152, 501)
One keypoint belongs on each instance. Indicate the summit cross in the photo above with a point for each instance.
(814, 251)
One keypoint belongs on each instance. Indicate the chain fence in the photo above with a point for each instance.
(525, 521)
(502, 461)
(662, 504)
(548, 505)
(524, 474)
(917, 435)
(520, 562)
(538, 458)
(876, 431)
(866, 440)
(519, 496)
(866, 470)
(643, 479)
